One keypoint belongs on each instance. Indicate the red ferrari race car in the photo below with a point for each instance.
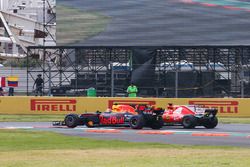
(121, 115)
(190, 116)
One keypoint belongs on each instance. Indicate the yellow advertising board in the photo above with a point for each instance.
(228, 107)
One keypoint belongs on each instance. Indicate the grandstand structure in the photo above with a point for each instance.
(164, 71)
(26, 23)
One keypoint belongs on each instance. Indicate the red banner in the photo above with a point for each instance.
(2, 82)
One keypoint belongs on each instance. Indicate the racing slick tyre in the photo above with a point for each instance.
(189, 121)
(211, 123)
(157, 124)
(72, 120)
(136, 122)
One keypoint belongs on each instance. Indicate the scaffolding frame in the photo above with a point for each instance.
(48, 21)
(217, 71)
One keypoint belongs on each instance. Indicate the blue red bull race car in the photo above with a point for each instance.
(120, 115)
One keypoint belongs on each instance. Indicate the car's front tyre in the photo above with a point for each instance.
(189, 121)
(72, 120)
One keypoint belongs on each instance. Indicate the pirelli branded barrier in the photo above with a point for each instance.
(55, 105)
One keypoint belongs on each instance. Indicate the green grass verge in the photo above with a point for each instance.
(74, 25)
(40, 149)
(234, 120)
(49, 118)
(15, 140)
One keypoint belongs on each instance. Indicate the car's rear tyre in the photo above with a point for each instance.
(211, 123)
(136, 122)
(72, 120)
(157, 124)
(189, 121)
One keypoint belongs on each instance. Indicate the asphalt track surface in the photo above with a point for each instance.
(168, 22)
(222, 135)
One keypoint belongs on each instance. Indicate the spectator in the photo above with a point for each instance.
(1, 91)
(132, 90)
(11, 91)
(39, 85)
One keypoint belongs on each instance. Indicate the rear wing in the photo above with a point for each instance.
(212, 111)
